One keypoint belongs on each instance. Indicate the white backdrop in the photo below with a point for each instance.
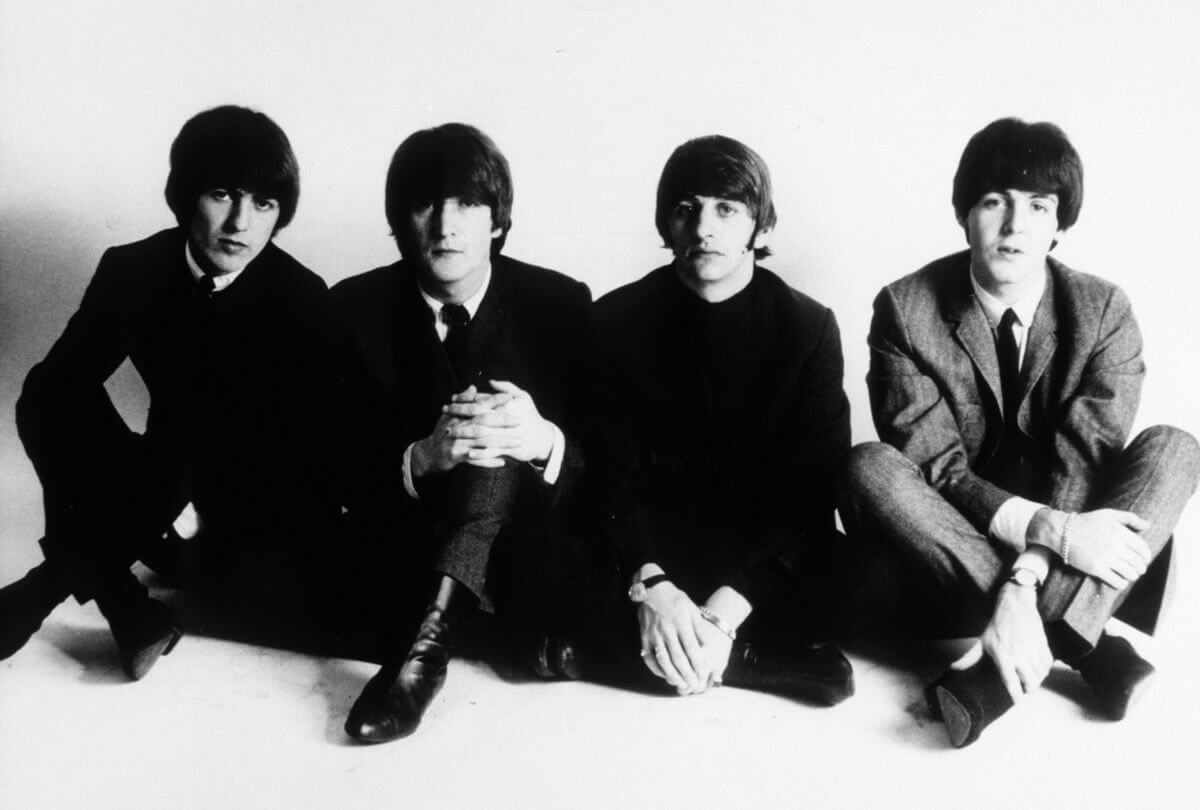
(860, 109)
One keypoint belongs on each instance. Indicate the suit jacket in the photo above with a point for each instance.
(934, 383)
(720, 494)
(531, 329)
(240, 386)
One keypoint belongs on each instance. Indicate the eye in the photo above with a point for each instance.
(265, 203)
(220, 194)
(685, 208)
(726, 209)
(991, 201)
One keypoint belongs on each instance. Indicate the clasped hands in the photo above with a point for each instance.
(679, 645)
(482, 429)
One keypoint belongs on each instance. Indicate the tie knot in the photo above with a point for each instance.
(455, 315)
(1008, 319)
(205, 286)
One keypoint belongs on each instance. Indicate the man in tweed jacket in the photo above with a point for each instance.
(1004, 386)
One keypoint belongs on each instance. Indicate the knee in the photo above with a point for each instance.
(1177, 448)
(869, 465)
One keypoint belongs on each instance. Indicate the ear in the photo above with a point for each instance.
(1058, 237)
(761, 239)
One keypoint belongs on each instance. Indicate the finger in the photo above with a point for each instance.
(1128, 572)
(505, 387)
(1012, 680)
(669, 673)
(468, 394)
(1132, 520)
(469, 410)
(681, 663)
(969, 658)
(1111, 578)
(1135, 562)
(696, 657)
(1140, 547)
(651, 662)
(485, 462)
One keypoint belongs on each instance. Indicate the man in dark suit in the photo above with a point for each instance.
(724, 419)
(230, 335)
(463, 373)
(1004, 385)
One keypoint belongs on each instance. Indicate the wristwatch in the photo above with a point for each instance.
(637, 591)
(1023, 577)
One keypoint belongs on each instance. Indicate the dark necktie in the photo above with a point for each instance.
(456, 318)
(204, 288)
(1010, 368)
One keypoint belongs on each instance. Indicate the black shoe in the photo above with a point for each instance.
(394, 700)
(812, 673)
(25, 604)
(143, 628)
(968, 700)
(1116, 673)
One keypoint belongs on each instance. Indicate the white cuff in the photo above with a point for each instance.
(409, 486)
(1011, 521)
(558, 449)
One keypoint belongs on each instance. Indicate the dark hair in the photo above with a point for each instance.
(232, 147)
(1010, 153)
(451, 160)
(716, 166)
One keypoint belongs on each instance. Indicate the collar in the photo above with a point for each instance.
(472, 303)
(219, 282)
(993, 307)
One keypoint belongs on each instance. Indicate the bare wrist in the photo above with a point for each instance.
(1046, 530)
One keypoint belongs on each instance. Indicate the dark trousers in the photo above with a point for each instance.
(104, 502)
(952, 569)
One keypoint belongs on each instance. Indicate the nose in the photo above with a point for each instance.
(703, 220)
(1014, 219)
(446, 216)
(238, 218)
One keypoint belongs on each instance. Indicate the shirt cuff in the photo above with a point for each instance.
(409, 486)
(1011, 521)
(1037, 560)
(558, 449)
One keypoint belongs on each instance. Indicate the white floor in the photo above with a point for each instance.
(219, 724)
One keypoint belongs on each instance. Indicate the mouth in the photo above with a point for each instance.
(1005, 250)
(699, 252)
(231, 245)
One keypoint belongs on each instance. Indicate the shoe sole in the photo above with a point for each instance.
(956, 718)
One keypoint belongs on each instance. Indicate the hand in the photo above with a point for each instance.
(1015, 640)
(188, 524)
(446, 447)
(1104, 544)
(671, 625)
(504, 424)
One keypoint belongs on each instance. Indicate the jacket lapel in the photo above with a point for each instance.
(1041, 343)
(972, 332)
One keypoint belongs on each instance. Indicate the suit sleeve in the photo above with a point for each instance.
(1098, 415)
(794, 493)
(576, 353)
(64, 403)
(912, 415)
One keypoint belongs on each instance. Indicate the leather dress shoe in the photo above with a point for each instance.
(1116, 673)
(968, 700)
(812, 673)
(144, 629)
(393, 702)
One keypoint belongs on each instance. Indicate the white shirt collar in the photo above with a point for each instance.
(993, 307)
(472, 303)
(219, 282)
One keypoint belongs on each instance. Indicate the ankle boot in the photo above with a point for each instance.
(143, 628)
(393, 702)
(26, 603)
(1116, 673)
(968, 700)
(812, 673)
